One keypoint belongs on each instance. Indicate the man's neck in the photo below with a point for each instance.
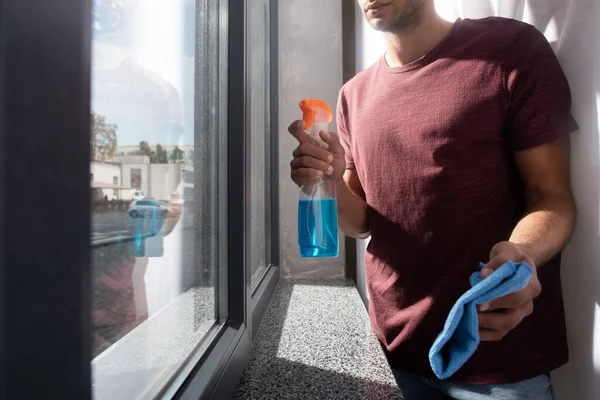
(415, 42)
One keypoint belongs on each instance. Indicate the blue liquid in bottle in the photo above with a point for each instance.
(318, 227)
(317, 208)
(148, 240)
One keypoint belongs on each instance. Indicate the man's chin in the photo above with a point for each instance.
(380, 25)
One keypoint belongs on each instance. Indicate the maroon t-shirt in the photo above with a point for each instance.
(432, 143)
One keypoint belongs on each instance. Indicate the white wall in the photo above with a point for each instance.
(132, 159)
(572, 28)
(105, 172)
(158, 180)
(310, 65)
(577, 42)
(126, 170)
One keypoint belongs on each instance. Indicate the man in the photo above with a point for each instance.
(453, 149)
(132, 284)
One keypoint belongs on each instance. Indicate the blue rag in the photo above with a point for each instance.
(460, 337)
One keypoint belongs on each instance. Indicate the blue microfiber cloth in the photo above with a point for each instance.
(460, 337)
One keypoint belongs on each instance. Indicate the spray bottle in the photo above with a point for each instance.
(317, 208)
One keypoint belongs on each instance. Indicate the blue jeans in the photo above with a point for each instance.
(416, 387)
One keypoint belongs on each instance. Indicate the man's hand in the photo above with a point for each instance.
(311, 161)
(502, 315)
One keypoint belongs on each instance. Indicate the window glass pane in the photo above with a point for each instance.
(259, 103)
(154, 221)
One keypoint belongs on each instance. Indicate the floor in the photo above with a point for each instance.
(315, 342)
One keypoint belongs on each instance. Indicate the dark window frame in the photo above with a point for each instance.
(45, 280)
(216, 376)
(264, 289)
(45, 302)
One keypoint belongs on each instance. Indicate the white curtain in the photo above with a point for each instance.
(573, 29)
(553, 17)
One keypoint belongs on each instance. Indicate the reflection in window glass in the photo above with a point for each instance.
(259, 104)
(151, 304)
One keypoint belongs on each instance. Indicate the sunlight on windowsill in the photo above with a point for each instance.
(315, 342)
(152, 352)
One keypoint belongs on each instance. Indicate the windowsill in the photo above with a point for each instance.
(315, 341)
(142, 361)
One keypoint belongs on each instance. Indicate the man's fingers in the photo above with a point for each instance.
(494, 326)
(297, 131)
(495, 262)
(312, 150)
(502, 315)
(500, 254)
(333, 142)
(502, 320)
(302, 175)
(510, 301)
(296, 126)
(308, 162)
(330, 140)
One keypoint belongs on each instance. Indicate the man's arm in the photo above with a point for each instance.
(537, 121)
(541, 234)
(550, 218)
(352, 208)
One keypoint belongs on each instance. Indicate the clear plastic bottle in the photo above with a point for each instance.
(317, 207)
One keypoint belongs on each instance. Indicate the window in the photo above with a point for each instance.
(156, 270)
(136, 178)
(260, 116)
(162, 158)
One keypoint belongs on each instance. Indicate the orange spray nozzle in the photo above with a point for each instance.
(313, 107)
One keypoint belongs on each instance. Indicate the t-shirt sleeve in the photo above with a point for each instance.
(341, 118)
(539, 96)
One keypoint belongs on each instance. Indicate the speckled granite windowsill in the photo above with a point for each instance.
(139, 363)
(315, 342)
